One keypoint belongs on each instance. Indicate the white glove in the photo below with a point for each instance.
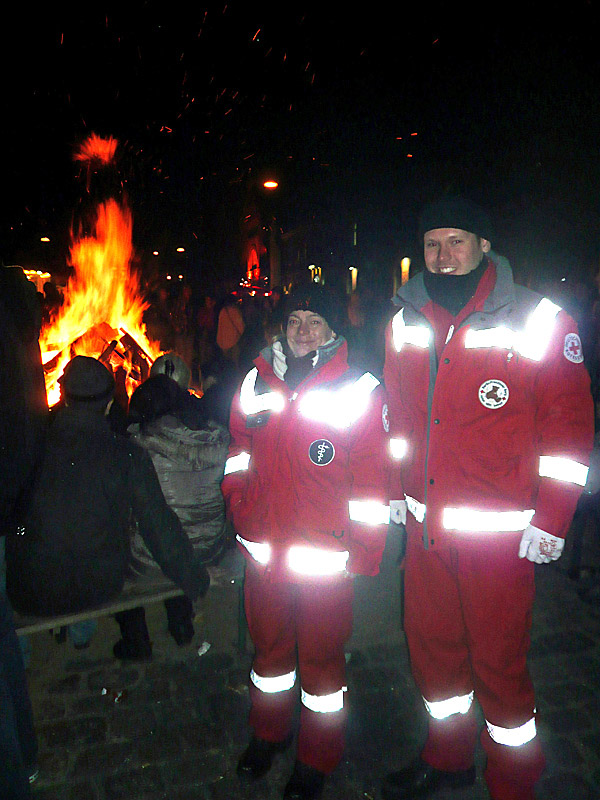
(539, 546)
(398, 512)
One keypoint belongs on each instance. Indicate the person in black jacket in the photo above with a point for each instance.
(74, 548)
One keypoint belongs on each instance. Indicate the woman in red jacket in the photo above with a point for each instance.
(305, 485)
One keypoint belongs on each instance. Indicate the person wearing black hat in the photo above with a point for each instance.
(74, 544)
(491, 425)
(304, 483)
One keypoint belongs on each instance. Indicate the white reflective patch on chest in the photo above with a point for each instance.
(385, 418)
(493, 393)
(573, 350)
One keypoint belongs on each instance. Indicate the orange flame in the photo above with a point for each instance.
(102, 304)
(95, 148)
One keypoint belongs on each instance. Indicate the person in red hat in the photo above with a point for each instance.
(305, 484)
(491, 424)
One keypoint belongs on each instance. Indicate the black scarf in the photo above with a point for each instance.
(453, 292)
(297, 368)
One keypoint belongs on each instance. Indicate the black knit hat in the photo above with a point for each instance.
(318, 299)
(86, 379)
(455, 212)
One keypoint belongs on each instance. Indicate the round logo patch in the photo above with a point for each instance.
(493, 393)
(385, 418)
(573, 350)
(321, 452)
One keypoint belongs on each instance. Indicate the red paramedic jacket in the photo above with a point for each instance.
(309, 466)
(493, 428)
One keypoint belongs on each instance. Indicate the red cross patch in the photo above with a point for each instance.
(573, 350)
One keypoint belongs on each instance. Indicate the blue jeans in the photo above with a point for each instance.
(18, 743)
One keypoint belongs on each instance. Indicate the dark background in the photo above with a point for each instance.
(207, 99)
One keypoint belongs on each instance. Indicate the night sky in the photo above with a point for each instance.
(361, 115)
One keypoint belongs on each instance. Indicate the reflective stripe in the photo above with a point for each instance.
(324, 703)
(369, 511)
(339, 408)
(531, 342)
(237, 463)
(441, 709)
(563, 469)
(280, 683)
(417, 335)
(260, 551)
(314, 561)
(398, 448)
(470, 519)
(513, 737)
(252, 403)
(416, 509)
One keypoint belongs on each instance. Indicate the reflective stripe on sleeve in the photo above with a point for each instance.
(513, 737)
(280, 683)
(470, 519)
(314, 561)
(237, 463)
(369, 511)
(260, 551)
(398, 448)
(324, 703)
(441, 709)
(563, 469)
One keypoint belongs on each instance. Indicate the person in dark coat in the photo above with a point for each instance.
(74, 549)
(23, 413)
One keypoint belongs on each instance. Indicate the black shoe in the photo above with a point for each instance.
(420, 778)
(306, 783)
(257, 758)
(126, 651)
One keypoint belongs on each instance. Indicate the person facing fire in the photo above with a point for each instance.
(491, 426)
(305, 485)
(73, 548)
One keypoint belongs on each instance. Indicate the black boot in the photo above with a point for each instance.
(135, 644)
(257, 758)
(306, 783)
(180, 613)
(419, 779)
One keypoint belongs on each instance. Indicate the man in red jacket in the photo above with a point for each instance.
(491, 426)
(305, 484)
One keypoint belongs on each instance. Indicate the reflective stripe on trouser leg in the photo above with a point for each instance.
(323, 624)
(273, 693)
(512, 770)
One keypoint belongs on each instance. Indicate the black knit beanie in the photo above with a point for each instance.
(455, 212)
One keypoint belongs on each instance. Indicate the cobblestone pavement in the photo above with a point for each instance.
(174, 727)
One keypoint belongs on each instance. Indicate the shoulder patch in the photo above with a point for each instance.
(573, 350)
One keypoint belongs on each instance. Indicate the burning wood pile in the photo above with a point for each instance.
(103, 305)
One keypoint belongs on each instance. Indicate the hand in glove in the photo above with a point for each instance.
(398, 512)
(539, 546)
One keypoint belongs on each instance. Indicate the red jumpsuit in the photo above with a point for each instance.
(306, 485)
(491, 423)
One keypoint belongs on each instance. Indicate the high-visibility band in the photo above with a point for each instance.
(237, 463)
(501, 337)
(563, 469)
(280, 683)
(416, 509)
(471, 519)
(369, 511)
(260, 551)
(398, 448)
(513, 737)
(252, 403)
(324, 703)
(441, 709)
(339, 408)
(417, 335)
(315, 561)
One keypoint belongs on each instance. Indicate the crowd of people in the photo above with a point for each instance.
(458, 418)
